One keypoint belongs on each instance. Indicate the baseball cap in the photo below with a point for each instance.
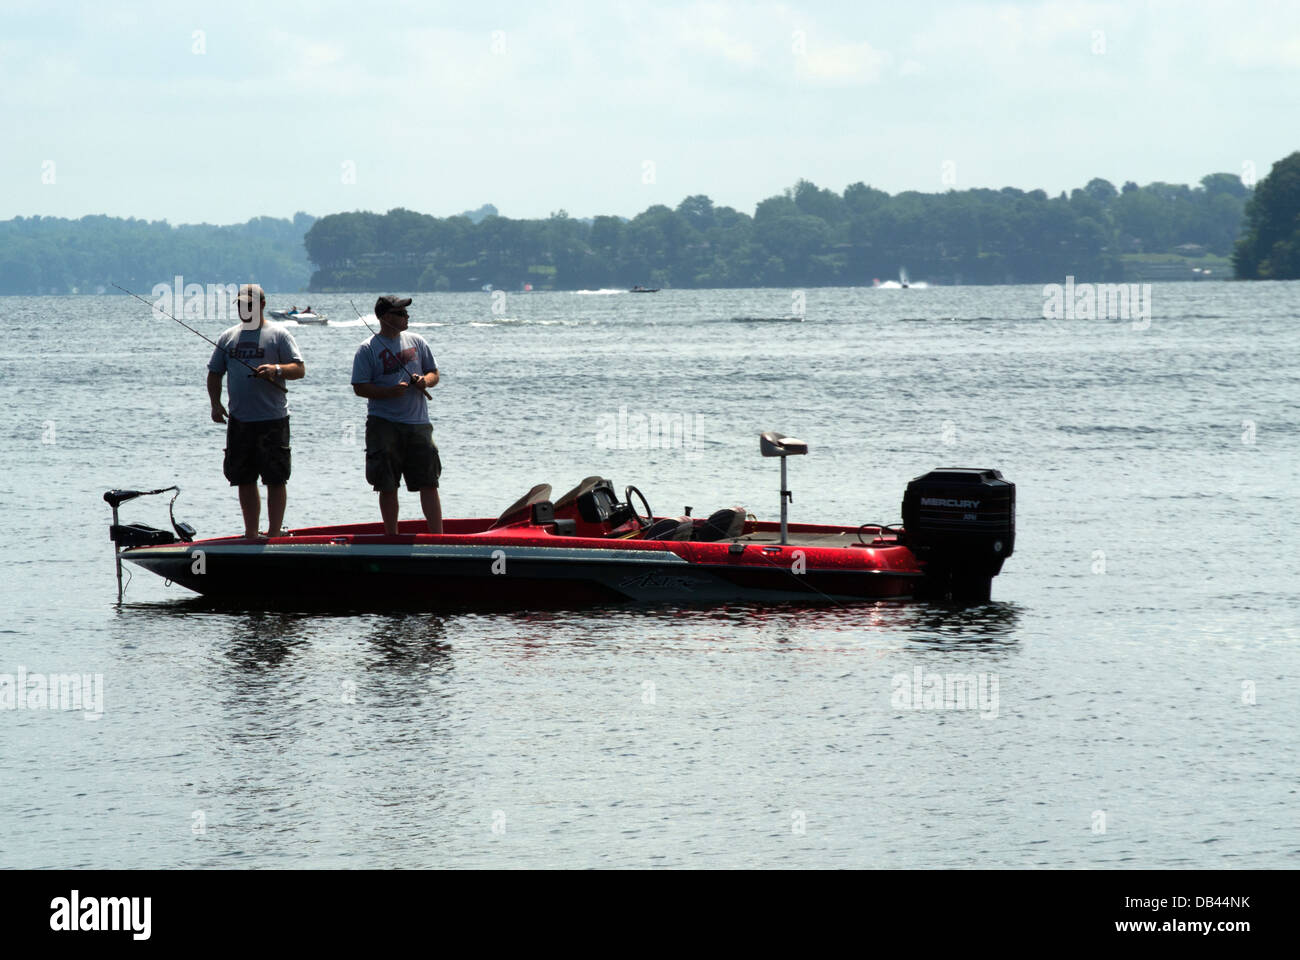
(389, 302)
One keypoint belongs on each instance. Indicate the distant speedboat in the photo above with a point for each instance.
(307, 316)
(640, 289)
(902, 283)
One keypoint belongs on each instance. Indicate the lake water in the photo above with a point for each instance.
(1140, 659)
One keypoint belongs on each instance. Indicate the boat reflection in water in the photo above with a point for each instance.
(861, 628)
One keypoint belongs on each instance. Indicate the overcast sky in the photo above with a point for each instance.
(218, 112)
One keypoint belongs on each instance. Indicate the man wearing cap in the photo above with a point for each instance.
(391, 370)
(257, 434)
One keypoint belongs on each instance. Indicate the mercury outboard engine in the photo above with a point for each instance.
(960, 522)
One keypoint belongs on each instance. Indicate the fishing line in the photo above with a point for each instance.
(154, 306)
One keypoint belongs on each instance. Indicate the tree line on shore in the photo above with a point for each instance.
(56, 255)
(806, 236)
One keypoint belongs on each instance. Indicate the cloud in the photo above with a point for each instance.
(1244, 46)
(711, 29)
(844, 64)
(718, 41)
(1011, 37)
(536, 107)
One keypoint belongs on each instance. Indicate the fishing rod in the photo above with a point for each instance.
(278, 386)
(399, 349)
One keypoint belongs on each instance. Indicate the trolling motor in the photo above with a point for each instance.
(773, 444)
(129, 535)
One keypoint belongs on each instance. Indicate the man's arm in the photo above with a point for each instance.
(290, 371)
(214, 394)
(374, 391)
(291, 362)
(430, 367)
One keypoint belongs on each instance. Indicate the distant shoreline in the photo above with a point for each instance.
(805, 237)
(477, 293)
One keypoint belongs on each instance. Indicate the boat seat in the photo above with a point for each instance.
(670, 528)
(773, 444)
(722, 524)
(522, 509)
(571, 497)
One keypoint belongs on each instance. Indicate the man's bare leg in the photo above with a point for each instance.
(276, 498)
(250, 502)
(388, 510)
(432, 508)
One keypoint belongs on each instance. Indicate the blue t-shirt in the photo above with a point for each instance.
(380, 360)
(251, 399)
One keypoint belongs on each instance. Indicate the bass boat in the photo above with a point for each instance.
(591, 547)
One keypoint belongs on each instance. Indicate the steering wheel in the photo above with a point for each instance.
(649, 517)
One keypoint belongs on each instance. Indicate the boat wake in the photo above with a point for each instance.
(360, 322)
(959, 319)
(525, 322)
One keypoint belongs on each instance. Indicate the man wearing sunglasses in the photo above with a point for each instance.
(392, 370)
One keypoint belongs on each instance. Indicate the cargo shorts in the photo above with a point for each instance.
(397, 450)
(256, 447)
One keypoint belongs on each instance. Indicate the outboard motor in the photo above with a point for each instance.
(961, 523)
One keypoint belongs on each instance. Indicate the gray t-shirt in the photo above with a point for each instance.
(251, 399)
(380, 360)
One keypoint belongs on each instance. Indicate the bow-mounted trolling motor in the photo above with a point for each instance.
(129, 535)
